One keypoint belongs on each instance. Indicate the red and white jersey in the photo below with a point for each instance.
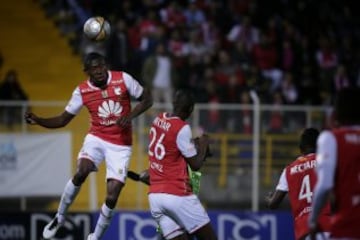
(170, 142)
(339, 158)
(299, 179)
(107, 105)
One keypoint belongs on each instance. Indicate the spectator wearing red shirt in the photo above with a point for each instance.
(265, 57)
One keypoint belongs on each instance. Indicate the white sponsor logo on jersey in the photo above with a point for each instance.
(109, 109)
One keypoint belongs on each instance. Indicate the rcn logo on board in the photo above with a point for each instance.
(132, 226)
(247, 227)
(137, 226)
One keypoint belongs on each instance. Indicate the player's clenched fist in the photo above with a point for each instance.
(30, 118)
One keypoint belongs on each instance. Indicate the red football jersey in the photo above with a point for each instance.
(346, 217)
(105, 107)
(301, 179)
(168, 168)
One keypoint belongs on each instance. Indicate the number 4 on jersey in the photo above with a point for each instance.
(305, 190)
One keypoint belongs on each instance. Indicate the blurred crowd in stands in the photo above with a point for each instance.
(292, 52)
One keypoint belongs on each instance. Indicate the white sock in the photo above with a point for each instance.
(68, 196)
(103, 221)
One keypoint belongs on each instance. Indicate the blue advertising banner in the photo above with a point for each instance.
(139, 225)
(229, 225)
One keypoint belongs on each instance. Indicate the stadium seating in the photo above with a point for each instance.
(31, 44)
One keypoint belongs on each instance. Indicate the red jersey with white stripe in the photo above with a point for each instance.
(301, 178)
(346, 217)
(170, 142)
(107, 105)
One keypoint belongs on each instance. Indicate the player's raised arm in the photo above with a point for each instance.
(202, 146)
(145, 103)
(142, 94)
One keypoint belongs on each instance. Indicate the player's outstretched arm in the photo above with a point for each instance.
(54, 122)
(141, 177)
(145, 177)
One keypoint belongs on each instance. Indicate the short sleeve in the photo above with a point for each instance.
(184, 142)
(133, 86)
(283, 184)
(326, 159)
(75, 104)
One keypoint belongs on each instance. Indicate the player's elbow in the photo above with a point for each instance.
(147, 99)
(62, 123)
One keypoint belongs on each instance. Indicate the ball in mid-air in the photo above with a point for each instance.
(97, 29)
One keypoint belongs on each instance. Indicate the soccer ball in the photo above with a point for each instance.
(97, 29)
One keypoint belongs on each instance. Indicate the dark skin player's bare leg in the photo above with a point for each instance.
(85, 167)
(205, 233)
(114, 187)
